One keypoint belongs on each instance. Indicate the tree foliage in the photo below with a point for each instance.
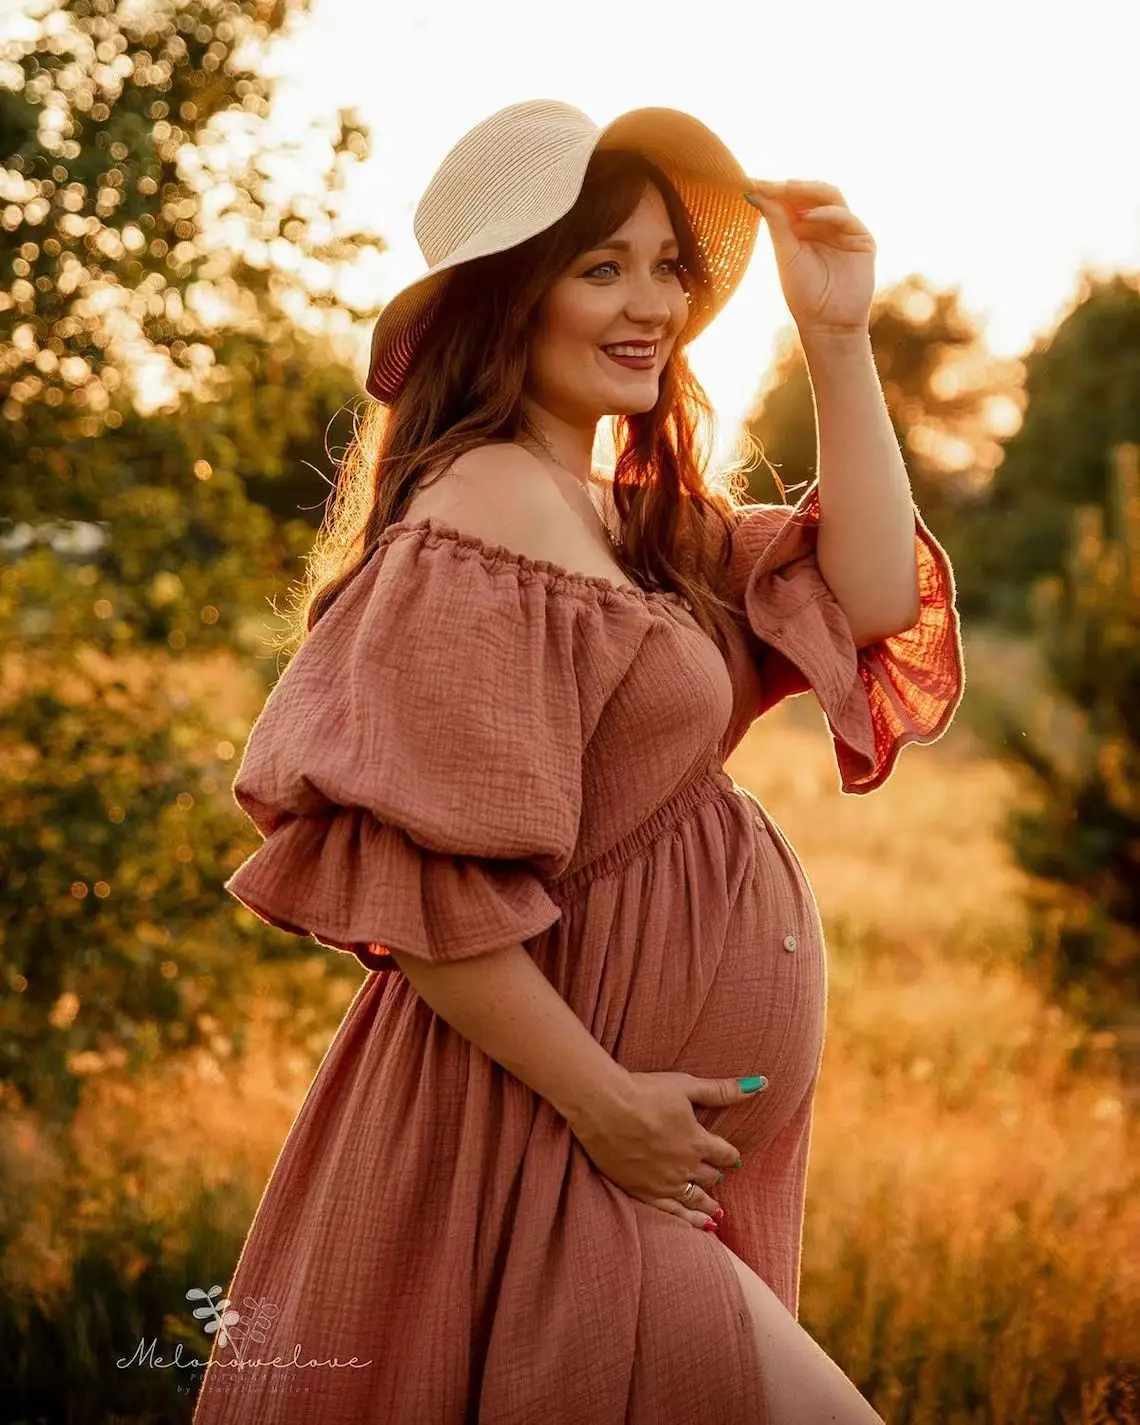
(1079, 836)
(169, 369)
(1082, 399)
(142, 235)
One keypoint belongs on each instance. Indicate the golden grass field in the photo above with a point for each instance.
(973, 1219)
(973, 1205)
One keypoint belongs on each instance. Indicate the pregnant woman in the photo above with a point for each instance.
(552, 1167)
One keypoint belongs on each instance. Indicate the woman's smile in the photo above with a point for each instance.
(623, 355)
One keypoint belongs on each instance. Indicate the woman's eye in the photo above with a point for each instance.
(673, 263)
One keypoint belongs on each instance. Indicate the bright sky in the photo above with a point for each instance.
(989, 145)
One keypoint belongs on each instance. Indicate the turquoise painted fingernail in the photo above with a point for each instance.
(752, 1084)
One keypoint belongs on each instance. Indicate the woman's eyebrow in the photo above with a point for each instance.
(624, 245)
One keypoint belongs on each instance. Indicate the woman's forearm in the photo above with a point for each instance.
(866, 541)
(505, 1005)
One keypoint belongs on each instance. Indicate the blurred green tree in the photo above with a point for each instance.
(167, 384)
(1079, 833)
(1082, 399)
(144, 245)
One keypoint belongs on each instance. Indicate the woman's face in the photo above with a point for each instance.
(626, 290)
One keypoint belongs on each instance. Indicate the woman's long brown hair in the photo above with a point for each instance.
(465, 387)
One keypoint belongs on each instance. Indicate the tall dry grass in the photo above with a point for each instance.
(150, 1190)
(973, 1206)
(973, 1222)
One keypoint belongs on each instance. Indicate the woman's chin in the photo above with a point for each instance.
(632, 405)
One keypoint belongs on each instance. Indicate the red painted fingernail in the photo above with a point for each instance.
(710, 1226)
(719, 1214)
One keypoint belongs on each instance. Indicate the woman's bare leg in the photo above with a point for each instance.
(801, 1381)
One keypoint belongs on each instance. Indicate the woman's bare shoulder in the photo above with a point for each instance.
(502, 494)
(488, 490)
(499, 493)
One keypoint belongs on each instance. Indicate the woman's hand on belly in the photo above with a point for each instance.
(648, 1140)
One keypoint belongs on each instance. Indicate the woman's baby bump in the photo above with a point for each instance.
(765, 1012)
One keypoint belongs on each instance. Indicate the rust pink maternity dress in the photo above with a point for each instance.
(476, 748)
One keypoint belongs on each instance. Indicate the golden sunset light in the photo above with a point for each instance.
(527, 893)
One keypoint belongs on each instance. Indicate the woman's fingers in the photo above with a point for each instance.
(694, 1216)
(701, 1202)
(697, 1209)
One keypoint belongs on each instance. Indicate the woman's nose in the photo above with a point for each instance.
(648, 304)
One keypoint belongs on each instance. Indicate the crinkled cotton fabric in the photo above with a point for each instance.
(475, 748)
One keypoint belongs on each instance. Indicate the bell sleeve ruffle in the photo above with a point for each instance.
(876, 699)
(416, 772)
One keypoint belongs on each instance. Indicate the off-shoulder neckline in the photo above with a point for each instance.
(544, 569)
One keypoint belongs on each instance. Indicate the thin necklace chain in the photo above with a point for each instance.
(614, 542)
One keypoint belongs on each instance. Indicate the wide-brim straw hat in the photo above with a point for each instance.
(520, 170)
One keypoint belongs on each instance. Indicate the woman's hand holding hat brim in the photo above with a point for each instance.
(825, 255)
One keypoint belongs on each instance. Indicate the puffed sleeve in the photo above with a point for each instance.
(416, 773)
(876, 699)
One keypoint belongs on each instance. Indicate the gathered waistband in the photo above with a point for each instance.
(706, 786)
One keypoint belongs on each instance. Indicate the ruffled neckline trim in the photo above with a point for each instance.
(436, 532)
